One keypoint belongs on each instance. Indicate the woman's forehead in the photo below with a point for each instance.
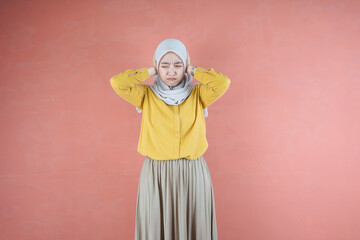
(171, 56)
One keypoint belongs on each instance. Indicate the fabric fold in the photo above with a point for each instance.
(175, 200)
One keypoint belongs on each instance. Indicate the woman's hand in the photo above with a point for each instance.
(152, 70)
(188, 66)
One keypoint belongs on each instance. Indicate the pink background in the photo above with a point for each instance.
(283, 141)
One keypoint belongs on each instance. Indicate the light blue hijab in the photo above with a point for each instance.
(177, 94)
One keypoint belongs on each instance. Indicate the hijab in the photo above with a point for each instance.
(179, 93)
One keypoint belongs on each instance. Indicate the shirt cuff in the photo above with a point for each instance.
(140, 74)
(199, 70)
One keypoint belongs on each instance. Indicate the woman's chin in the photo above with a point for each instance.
(172, 83)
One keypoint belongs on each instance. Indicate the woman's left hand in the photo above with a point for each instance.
(188, 66)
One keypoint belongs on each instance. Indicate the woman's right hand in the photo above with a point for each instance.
(152, 70)
(154, 62)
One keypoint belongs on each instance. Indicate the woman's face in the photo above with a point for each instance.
(171, 69)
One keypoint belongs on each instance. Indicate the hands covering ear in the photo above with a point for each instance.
(152, 70)
(188, 66)
(154, 63)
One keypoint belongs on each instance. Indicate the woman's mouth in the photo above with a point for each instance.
(172, 79)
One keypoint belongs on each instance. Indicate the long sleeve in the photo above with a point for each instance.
(212, 85)
(126, 85)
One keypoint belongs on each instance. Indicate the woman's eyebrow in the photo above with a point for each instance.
(169, 63)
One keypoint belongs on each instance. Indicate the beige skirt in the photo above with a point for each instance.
(175, 201)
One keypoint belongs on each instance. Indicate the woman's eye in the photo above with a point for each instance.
(166, 66)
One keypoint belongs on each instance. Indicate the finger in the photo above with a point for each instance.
(188, 58)
(154, 62)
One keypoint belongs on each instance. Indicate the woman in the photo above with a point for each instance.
(175, 197)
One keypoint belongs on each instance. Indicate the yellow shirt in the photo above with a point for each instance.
(171, 131)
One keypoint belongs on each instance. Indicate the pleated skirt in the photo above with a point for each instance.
(175, 201)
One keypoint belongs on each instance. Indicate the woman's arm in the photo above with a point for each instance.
(126, 84)
(213, 84)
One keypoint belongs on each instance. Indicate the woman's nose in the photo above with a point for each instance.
(171, 69)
